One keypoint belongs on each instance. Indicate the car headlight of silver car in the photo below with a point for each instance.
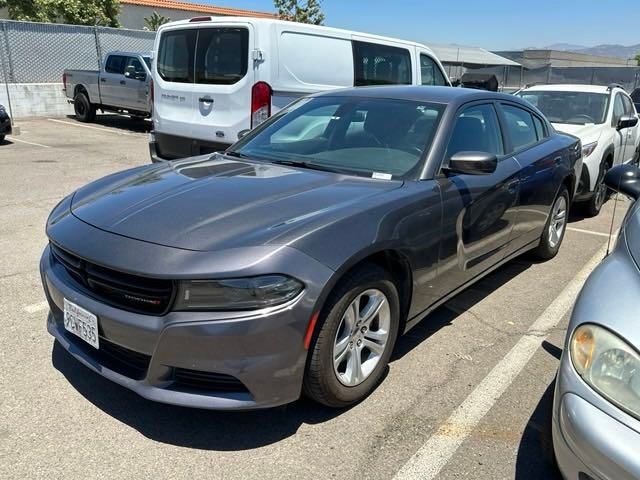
(249, 293)
(608, 364)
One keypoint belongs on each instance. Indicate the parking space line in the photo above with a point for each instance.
(590, 232)
(14, 139)
(429, 460)
(101, 129)
(36, 307)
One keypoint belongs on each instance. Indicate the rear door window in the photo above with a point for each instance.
(176, 56)
(222, 55)
(476, 130)
(430, 72)
(377, 64)
(115, 64)
(520, 127)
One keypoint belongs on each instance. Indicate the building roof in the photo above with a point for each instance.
(533, 58)
(198, 8)
(472, 56)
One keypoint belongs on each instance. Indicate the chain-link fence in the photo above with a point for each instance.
(39, 52)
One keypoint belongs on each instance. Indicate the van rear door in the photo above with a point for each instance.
(173, 81)
(224, 77)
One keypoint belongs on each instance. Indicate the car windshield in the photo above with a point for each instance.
(380, 138)
(578, 108)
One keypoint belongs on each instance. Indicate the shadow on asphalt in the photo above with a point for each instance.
(187, 427)
(6, 141)
(119, 122)
(535, 453)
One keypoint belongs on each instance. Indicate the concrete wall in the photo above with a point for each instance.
(132, 16)
(35, 100)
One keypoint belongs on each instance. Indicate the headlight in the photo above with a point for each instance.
(249, 293)
(609, 365)
(588, 149)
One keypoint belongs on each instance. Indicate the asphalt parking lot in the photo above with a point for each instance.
(468, 393)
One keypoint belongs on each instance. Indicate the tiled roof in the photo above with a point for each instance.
(198, 7)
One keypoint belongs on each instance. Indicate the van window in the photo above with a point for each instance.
(222, 56)
(377, 64)
(431, 74)
(175, 56)
(115, 64)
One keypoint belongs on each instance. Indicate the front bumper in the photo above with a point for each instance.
(591, 437)
(163, 147)
(261, 351)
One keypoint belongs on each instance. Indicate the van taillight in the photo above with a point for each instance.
(152, 92)
(260, 103)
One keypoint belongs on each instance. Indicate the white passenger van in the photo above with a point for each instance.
(215, 77)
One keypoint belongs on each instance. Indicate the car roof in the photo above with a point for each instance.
(129, 54)
(422, 93)
(570, 88)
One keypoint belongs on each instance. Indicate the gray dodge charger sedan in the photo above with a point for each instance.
(292, 262)
(596, 414)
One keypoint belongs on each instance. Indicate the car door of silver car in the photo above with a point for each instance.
(479, 211)
(135, 91)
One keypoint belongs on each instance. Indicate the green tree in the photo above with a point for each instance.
(297, 11)
(637, 57)
(75, 12)
(155, 21)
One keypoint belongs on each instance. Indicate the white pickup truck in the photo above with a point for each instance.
(123, 85)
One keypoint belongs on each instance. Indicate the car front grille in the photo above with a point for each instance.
(137, 294)
(212, 382)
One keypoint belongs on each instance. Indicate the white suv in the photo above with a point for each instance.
(605, 120)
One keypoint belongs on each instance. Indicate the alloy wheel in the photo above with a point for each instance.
(362, 337)
(558, 221)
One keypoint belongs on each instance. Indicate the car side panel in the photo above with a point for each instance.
(544, 167)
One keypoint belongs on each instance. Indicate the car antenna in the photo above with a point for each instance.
(613, 217)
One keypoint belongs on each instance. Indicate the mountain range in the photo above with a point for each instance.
(622, 51)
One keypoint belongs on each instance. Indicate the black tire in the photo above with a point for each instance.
(546, 250)
(321, 382)
(2, 138)
(84, 110)
(592, 207)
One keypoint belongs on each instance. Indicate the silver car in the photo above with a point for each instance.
(596, 412)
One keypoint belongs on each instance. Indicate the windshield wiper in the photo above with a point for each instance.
(235, 154)
(310, 166)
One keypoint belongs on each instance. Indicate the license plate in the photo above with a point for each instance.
(81, 323)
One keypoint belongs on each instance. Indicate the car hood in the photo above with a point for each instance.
(217, 202)
(586, 133)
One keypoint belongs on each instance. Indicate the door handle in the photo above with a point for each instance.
(103, 80)
(122, 82)
(205, 100)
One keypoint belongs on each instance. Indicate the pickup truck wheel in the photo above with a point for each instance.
(556, 225)
(84, 110)
(357, 331)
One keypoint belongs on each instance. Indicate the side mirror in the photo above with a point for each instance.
(627, 121)
(624, 179)
(473, 163)
(130, 71)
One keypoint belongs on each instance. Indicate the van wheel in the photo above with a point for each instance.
(84, 110)
(555, 228)
(358, 329)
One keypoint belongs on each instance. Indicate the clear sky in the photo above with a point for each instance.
(495, 24)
